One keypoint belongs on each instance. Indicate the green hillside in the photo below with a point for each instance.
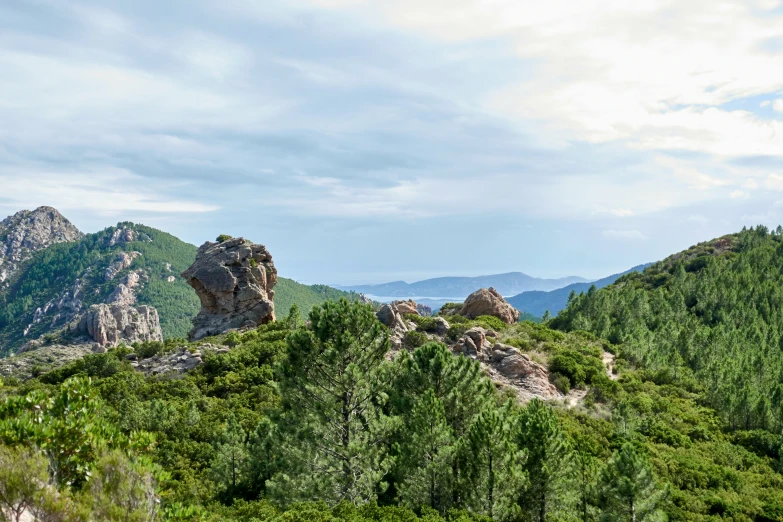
(713, 312)
(240, 437)
(288, 292)
(51, 273)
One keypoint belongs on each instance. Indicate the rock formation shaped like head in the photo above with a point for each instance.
(235, 281)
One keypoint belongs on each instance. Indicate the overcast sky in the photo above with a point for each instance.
(368, 140)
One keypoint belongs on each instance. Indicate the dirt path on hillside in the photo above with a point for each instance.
(608, 359)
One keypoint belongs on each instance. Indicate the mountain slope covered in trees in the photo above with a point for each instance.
(714, 311)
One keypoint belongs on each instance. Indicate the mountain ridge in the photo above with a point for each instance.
(537, 302)
(508, 283)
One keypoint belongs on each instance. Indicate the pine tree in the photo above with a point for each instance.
(628, 489)
(549, 465)
(586, 475)
(495, 463)
(427, 456)
(333, 385)
(459, 385)
(230, 465)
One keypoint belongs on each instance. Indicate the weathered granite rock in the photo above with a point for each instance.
(507, 366)
(27, 232)
(406, 307)
(124, 235)
(489, 302)
(364, 299)
(234, 280)
(442, 325)
(109, 325)
(122, 261)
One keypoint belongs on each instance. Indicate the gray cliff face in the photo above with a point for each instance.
(110, 325)
(235, 281)
(27, 232)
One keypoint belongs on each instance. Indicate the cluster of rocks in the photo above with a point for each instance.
(506, 365)
(234, 281)
(122, 261)
(110, 325)
(27, 232)
(393, 316)
(181, 361)
(125, 235)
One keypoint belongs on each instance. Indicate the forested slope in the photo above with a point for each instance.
(251, 433)
(714, 311)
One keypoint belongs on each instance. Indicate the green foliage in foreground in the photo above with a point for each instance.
(298, 423)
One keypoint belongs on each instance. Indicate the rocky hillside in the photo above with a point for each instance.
(27, 232)
(51, 274)
(126, 266)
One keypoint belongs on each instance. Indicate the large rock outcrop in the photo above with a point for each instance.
(27, 232)
(110, 325)
(507, 366)
(489, 302)
(235, 281)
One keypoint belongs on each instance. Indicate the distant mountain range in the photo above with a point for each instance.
(458, 288)
(537, 302)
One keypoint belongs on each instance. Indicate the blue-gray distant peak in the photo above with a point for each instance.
(510, 283)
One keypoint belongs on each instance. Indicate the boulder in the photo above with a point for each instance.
(110, 325)
(489, 302)
(406, 307)
(442, 325)
(528, 376)
(234, 281)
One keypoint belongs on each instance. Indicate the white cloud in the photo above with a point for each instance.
(605, 70)
(739, 194)
(778, 105)
(102, 189)
(624, 234)
(765, 103)
(774, 182)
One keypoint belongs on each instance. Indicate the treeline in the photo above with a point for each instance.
(316, 423)
(714, 311)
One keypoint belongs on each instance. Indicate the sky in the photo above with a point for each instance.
(365, 141)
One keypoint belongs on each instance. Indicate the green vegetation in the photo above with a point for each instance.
(288, 293)
(714, 312)
(53, 271)
(313, 423)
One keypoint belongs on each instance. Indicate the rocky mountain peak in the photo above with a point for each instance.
(27, 232)
(234, 280)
